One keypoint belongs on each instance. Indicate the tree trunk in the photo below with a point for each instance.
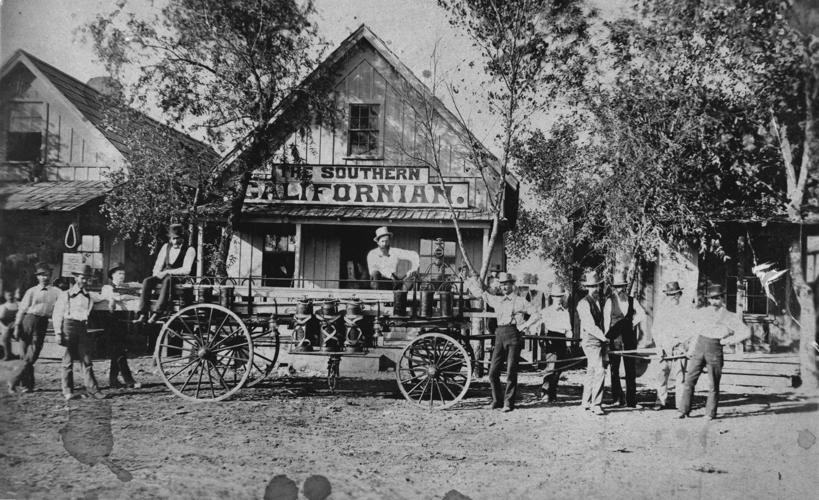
(807, 316)
(493, 236)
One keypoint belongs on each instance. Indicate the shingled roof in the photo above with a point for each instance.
(50, 196)
(93, 105)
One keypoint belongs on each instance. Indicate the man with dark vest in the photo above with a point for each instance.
(175, 258)
(593, 341)
(621, 315)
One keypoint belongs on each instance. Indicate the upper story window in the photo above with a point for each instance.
(24, 138)
(363, 132)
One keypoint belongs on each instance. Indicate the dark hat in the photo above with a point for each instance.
(85, 271)
(176, 231)
(116, 267)
(42, 268)
(672, 288)
(715, 290)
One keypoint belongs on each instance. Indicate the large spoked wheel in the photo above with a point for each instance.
(204, 352)
(434, 371)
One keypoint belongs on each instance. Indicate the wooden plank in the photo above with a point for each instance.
(297, 257)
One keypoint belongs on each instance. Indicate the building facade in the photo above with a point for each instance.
(312, 209)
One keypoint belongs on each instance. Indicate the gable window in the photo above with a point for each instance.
(363, 132)
(25, 131)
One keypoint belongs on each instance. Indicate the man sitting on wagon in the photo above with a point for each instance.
(383, 263)
(175, 258)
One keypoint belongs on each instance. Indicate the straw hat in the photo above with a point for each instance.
(557, 290)
(591, 278)
(382, 231)
(620, 278)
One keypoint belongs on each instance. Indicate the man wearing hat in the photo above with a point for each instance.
(621, 315)
(509, 310)
(117, 327)
(31, 322)
(716, 327)
(175, 258)
(382, 262)
(556, 323)
(70, 320)
(672, 329)
(593, 341)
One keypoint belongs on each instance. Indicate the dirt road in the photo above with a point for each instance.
(291, 439)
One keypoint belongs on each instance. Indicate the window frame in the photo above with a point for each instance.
(8, 132)
(376, 151)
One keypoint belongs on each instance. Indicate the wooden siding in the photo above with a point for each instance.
(366, 77)
(73, 148)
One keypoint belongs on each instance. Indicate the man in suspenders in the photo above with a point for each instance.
(175, 258)
(621, 315)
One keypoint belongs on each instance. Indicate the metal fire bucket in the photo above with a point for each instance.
(399, 303)
(445, 301)
(226, 296)
(427, 303)
(203, 293)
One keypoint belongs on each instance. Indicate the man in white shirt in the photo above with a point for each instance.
(512, 325)
(593, 342)
(8, 312)
(32, 321)
(672, 330)
(716, 327)
(382, 262)
(174, 259)
(621, 315)
(556, 322)
(70, 320)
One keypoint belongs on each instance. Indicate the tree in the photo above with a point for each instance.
(528, 49)
(219, 68)
(688, 123)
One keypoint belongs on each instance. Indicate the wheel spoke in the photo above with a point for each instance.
(210, 380)
(440, 393)
(190, 376)
(423, 390)
(198, 382)
(448, 390)
(219, 328)
(182, 369)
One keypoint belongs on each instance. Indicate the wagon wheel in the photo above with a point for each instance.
(204, 352)
(265, 355)
(434, 371)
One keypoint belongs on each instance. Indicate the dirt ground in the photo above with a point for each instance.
(291, 439)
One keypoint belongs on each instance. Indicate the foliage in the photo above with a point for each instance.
(217, 68)
(672, 130)
(528, 49)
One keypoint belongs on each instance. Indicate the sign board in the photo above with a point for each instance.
(358, 185)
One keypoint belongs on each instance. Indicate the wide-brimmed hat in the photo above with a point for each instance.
(557, 290)
(42, 268)
(382, 231)
(118, 266)
(176, 231)
(591, 278)
(715, 290)
(672, 288)
(506, 277)
(84, 271)
(620, 277)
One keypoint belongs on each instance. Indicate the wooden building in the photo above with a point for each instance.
(55, 152)
(312, 208)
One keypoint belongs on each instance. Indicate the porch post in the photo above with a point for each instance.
(200, 248)
(297, 259)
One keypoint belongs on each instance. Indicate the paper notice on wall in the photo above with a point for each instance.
(74, 262)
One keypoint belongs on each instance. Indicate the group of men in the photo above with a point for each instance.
(687, 341)
(69, 311)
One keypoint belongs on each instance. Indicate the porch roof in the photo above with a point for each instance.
(284, 212)
(62, 196)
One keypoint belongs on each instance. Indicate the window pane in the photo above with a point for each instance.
(449, 248)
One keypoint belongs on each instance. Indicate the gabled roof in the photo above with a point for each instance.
(92, 105)
(50, 196)
(364, 33)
